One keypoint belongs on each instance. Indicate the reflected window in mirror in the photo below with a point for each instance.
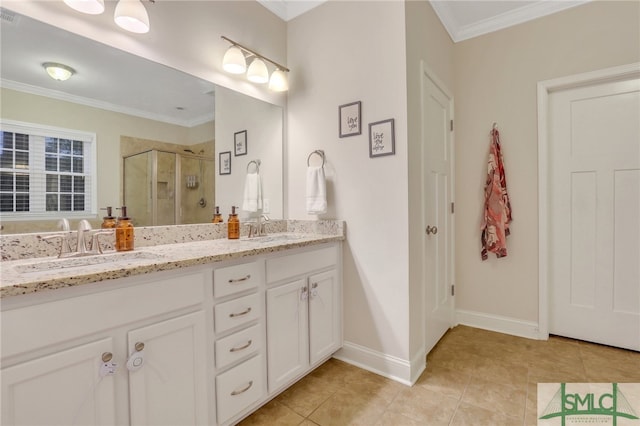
(46, 172)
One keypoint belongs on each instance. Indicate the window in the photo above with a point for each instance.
(46, 172)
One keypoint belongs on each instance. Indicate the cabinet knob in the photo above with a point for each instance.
(107, 356)
(139, 346)
(432, 230)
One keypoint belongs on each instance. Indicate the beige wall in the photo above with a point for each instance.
(427, 42)
(346, 51)
(495, 79)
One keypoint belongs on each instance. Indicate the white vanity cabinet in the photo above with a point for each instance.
(304, 313)
(53, 350)
(201, 345)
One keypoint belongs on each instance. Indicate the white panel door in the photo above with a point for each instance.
(436, 133)
(287, 332)
(325, 331)
(594, 266)
(64, 388)
(170, 388)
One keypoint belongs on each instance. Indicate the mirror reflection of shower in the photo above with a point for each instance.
(192, 181)
(168, 188)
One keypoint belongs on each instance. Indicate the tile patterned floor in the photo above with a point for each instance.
(473, 377)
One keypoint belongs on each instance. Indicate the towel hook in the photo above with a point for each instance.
(318, 152)
(257, 163)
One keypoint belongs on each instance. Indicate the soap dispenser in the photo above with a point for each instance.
(108, 222)
(124, 232)
(233, 225)
(217, 217)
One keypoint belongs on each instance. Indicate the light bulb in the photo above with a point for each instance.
(234, 61)
(132, 16)
(258, 72)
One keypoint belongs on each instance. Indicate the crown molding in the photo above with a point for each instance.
(61, 96)
(516, 16)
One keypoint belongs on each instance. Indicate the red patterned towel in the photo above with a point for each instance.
(497, 208)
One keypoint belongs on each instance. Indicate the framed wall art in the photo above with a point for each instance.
(225, 163)
(382, 140)
(349, 115)
(240, 143)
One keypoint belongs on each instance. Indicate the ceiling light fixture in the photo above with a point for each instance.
(90, 7)
(132, 16)
(57, 71)
(235, 62)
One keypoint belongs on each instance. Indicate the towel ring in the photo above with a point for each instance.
(257, 163)
(318, 152)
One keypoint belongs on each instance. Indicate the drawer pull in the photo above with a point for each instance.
(239, 314)
(240, 347)
(246, 388)
(239, 280)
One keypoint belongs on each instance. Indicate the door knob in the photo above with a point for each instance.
(432, 230)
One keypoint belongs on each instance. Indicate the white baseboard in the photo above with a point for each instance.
(388, 366)
(506, 325)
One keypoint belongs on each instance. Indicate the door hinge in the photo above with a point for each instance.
(451, 125)
(453, 291)
(452, 208)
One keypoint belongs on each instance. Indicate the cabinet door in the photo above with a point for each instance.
(64, 388)
(325, 312)
(287, 332)
(170, 387)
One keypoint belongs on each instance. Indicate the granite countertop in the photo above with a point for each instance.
(48, 273)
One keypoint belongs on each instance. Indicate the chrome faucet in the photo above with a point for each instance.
(82, 249)
(257, 228)
(261, 225)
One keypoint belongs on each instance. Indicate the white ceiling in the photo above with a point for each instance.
(463, 19)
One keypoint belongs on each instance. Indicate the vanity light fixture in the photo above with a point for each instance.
(132, 16)
(235, 62)
(258, 72)
(57, 71)
(90, 7)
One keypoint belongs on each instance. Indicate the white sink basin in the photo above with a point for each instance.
(79, 262)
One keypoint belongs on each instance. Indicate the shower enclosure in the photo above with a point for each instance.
(168, 188)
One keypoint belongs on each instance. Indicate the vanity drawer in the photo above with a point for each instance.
(236, 278)
(283, 267)
(236, 312)
(239, 387)
(237, 346)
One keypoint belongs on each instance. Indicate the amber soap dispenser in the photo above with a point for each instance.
(108, 222)
(233, 225)
(124, 232)
(217, 217)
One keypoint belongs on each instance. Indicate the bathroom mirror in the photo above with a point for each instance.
(134, 105)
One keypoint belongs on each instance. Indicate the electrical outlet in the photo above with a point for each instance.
(265, 206)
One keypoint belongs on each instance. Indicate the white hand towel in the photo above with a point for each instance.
(316, 191)
(252, 193)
